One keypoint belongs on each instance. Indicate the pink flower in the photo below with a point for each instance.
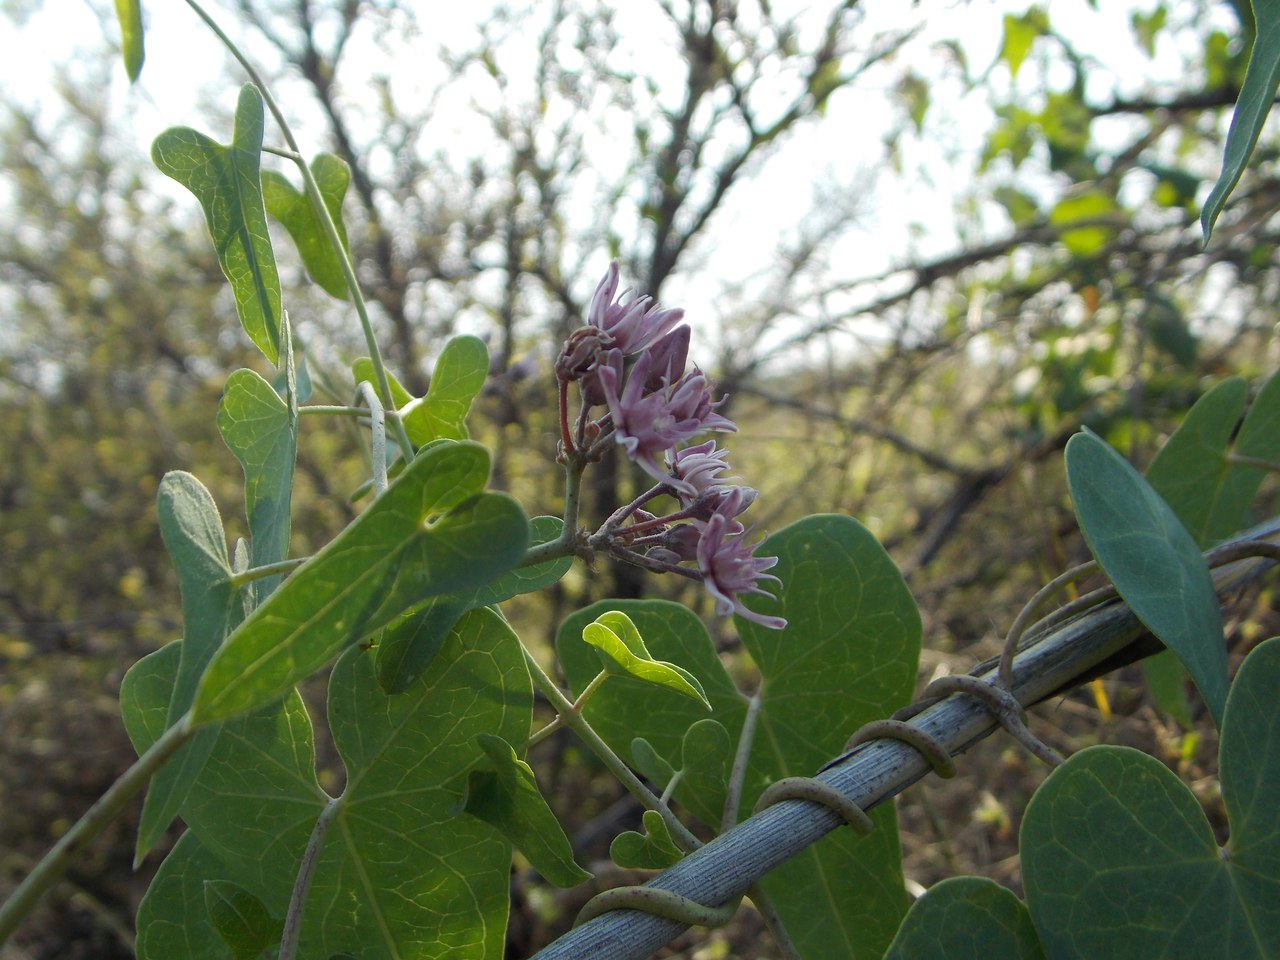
(632, 325)
(728, 567)
(649, 425)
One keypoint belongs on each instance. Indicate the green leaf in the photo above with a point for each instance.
(1020, 32)
(192, 531)
(408, 644)
(413, 878)
(1256, 96)
(967, 918)
(1152, 560)
(1119, 860)
(259, 430)
(430, 533)
(705, 754)
(172, 918)
(507, 798)
(241, 920)
(294, 211)
(226, 181)
(1191, 471)
(129, 15)
(1164, 676)
(458, 376)
(398, 872)
(848, 655)
(256, 798)
(651, 850)
(362, 370)
(528, 579)
(650, 765)
(617, 638)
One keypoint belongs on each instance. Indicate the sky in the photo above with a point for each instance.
(907, 213)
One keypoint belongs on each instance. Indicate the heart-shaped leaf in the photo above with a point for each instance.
(1152, 560)
(967, 918)
(848, 655)
(399, 873)
(507, 798)
(651, 850)
(617, 638)
(227, 182)
(1119, 860)
(1194, 471)
(430, 533)
(294, 211)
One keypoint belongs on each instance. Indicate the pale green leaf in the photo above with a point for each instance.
(226, 181)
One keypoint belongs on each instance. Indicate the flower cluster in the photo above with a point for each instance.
(632, 359)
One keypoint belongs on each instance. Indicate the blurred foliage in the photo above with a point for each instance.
(931, 400)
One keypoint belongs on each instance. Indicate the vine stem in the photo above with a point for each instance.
(738, 774)
(378, 434)
(266, 570)
(302, 885)
(567, 543)
(575, 721)
(104, 810)
(326, 223)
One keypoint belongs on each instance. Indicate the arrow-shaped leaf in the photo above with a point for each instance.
(129, 15)
(615, 635)
(226, 181)
(192, 531)
(651, 850)
(458, 376)
(256, 426)
(1261, 79)
(430, 533)
(294, 210)
(507, 798)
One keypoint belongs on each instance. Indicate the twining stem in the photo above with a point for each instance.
(306, 870)
(1023, 619)
(574, 720)
(378, 435)
(266, 570)
(337, 410)
(738, 773)
(326, 223)
(107, 807)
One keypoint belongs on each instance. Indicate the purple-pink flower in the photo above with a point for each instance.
(648, 425)
(632, 325)
(728, 566)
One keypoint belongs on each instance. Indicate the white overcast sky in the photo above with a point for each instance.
(911, 214)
